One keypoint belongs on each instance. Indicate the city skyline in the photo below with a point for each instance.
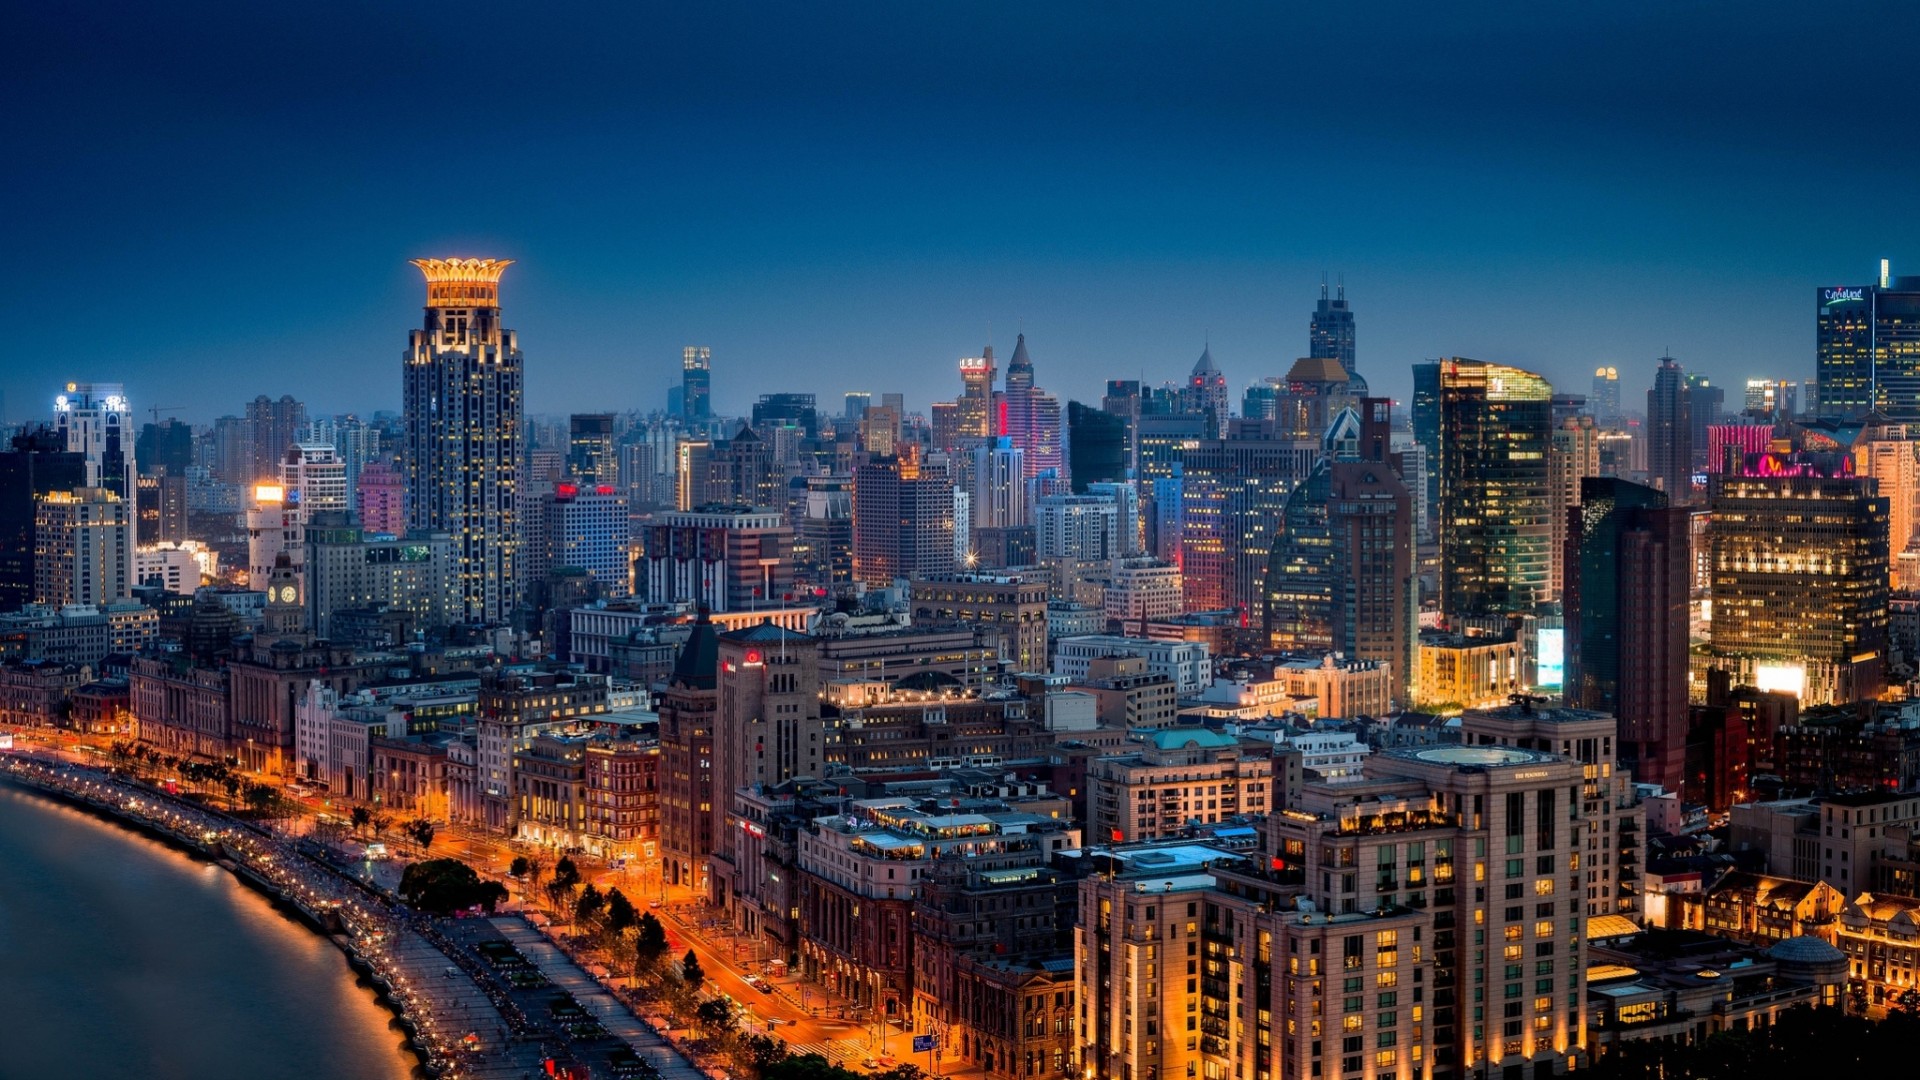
(1579, 205)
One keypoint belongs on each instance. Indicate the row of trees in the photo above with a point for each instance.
(206, 777)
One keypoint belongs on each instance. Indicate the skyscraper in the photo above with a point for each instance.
(1032, 417)
(902, 520)
(1574, 456)
(83, 542)
(1096, 446)
(1426, 426)
(1206, 394)
(590, 454)
(1340, 575)
(696, 382)
(463, 402)
(976, 419)
(1605, 399)
(97, 422)
(273, 425)
(38, 464)
(1330, 334)
(1705, 405)
(1799, 555)
(1670, 433)
(1628, 559)
(1867, 347)
(1495, 539)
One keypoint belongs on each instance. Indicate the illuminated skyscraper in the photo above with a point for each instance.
(902, 520)
(464, 431)
(1799, 553)
(1330, 334)
(1206, 394)
(1032, 418)
(696, 382)
(1670, 433)
(976, 419)
(1605, 399)
(1426, 428)
(83, 545)
(590, 454)
(1867, 347)
(1495, 496)
(97, 423)
(1575, 455)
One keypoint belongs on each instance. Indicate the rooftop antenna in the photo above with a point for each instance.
(1343, 286)
(1323, 284)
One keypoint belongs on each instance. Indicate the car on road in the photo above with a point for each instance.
(871, 1063)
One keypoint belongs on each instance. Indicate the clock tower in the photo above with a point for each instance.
(286, 614)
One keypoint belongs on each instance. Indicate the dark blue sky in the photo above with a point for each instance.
(208, 202)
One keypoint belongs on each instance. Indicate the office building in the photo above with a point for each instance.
(1330, 333)
(999, 490)
(465, 443)
(1206, 394)
(823, 533)
(1426, 429)
(1867, 347)
(974, 417)
(1670, 434)
(1605, 399)
(696, 383)
(348, 567)
(1007, 612)
(381, 498)
(1032, 418)
(1573, 456)
(728, 558)
(82, 547)
(1799, 549)
(36, 464)
(786, 410)
(1312, 394)
(1184, 662)
(1096, 446)
(1628, 580)
(1341, 576)
(1233, 494)
(1495, 493)
(686, 707)
(903, 520)
(272, 426)
(1140, 590)
(590, 449)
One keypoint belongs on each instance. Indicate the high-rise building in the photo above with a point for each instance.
(1096, 446)
(766, 704)
(1206, 393)
(1605, 399)
(1629, 573)
(1233, 493)
(999, 490)
(1670, 433)
(1312, 394)
(1495, 492)
(696, 382)
(976, 419)
(1330, 333)
(382, 499)
(272, 426)
(350, 567)
(82, 540)
(464, 400)
(823, 533)
(903, 523)
(37, 465)
(1032, 418)
(586, 528)
(1799, 550)
(1426, 428)
(1340, 577)
(164, 448)
(314, 477)
(590, 449)
(1706, 405)
(1867, 347)
(97, 421)
(1574, 456)
(725, 558)
(1889, 453)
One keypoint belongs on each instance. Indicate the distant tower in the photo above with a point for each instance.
(1206, 392)
(975, 420)
(1330, 334)
(463, 403)
(1605, 399)
(696, 382)
(97, 422)
(1670, 433)
(1032, 417)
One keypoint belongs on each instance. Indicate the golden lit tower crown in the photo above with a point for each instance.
(463, 282)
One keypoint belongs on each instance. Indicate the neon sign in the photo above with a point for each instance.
(1842, 296)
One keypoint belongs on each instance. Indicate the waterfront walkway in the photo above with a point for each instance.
(612, 1013)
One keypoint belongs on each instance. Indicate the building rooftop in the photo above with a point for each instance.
(1474, 756)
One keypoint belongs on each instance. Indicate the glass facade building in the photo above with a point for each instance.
(1495, 493)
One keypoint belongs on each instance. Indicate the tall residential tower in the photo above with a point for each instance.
(463, 405)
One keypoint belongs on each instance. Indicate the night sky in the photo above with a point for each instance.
(209, 202)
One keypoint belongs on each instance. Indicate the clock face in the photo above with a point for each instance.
(286, 594)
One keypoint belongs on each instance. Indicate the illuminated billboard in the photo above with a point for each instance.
(1783, 678)
(1550, 655)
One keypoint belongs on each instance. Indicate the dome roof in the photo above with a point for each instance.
(1183, 738)
(928, 682)
(1805, 949)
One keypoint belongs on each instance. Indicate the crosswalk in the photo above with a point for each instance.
(837, 1051)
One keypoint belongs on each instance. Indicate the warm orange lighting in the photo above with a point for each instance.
(463, 282)
(267, 493)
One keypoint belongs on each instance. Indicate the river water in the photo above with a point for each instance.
(122, 957)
